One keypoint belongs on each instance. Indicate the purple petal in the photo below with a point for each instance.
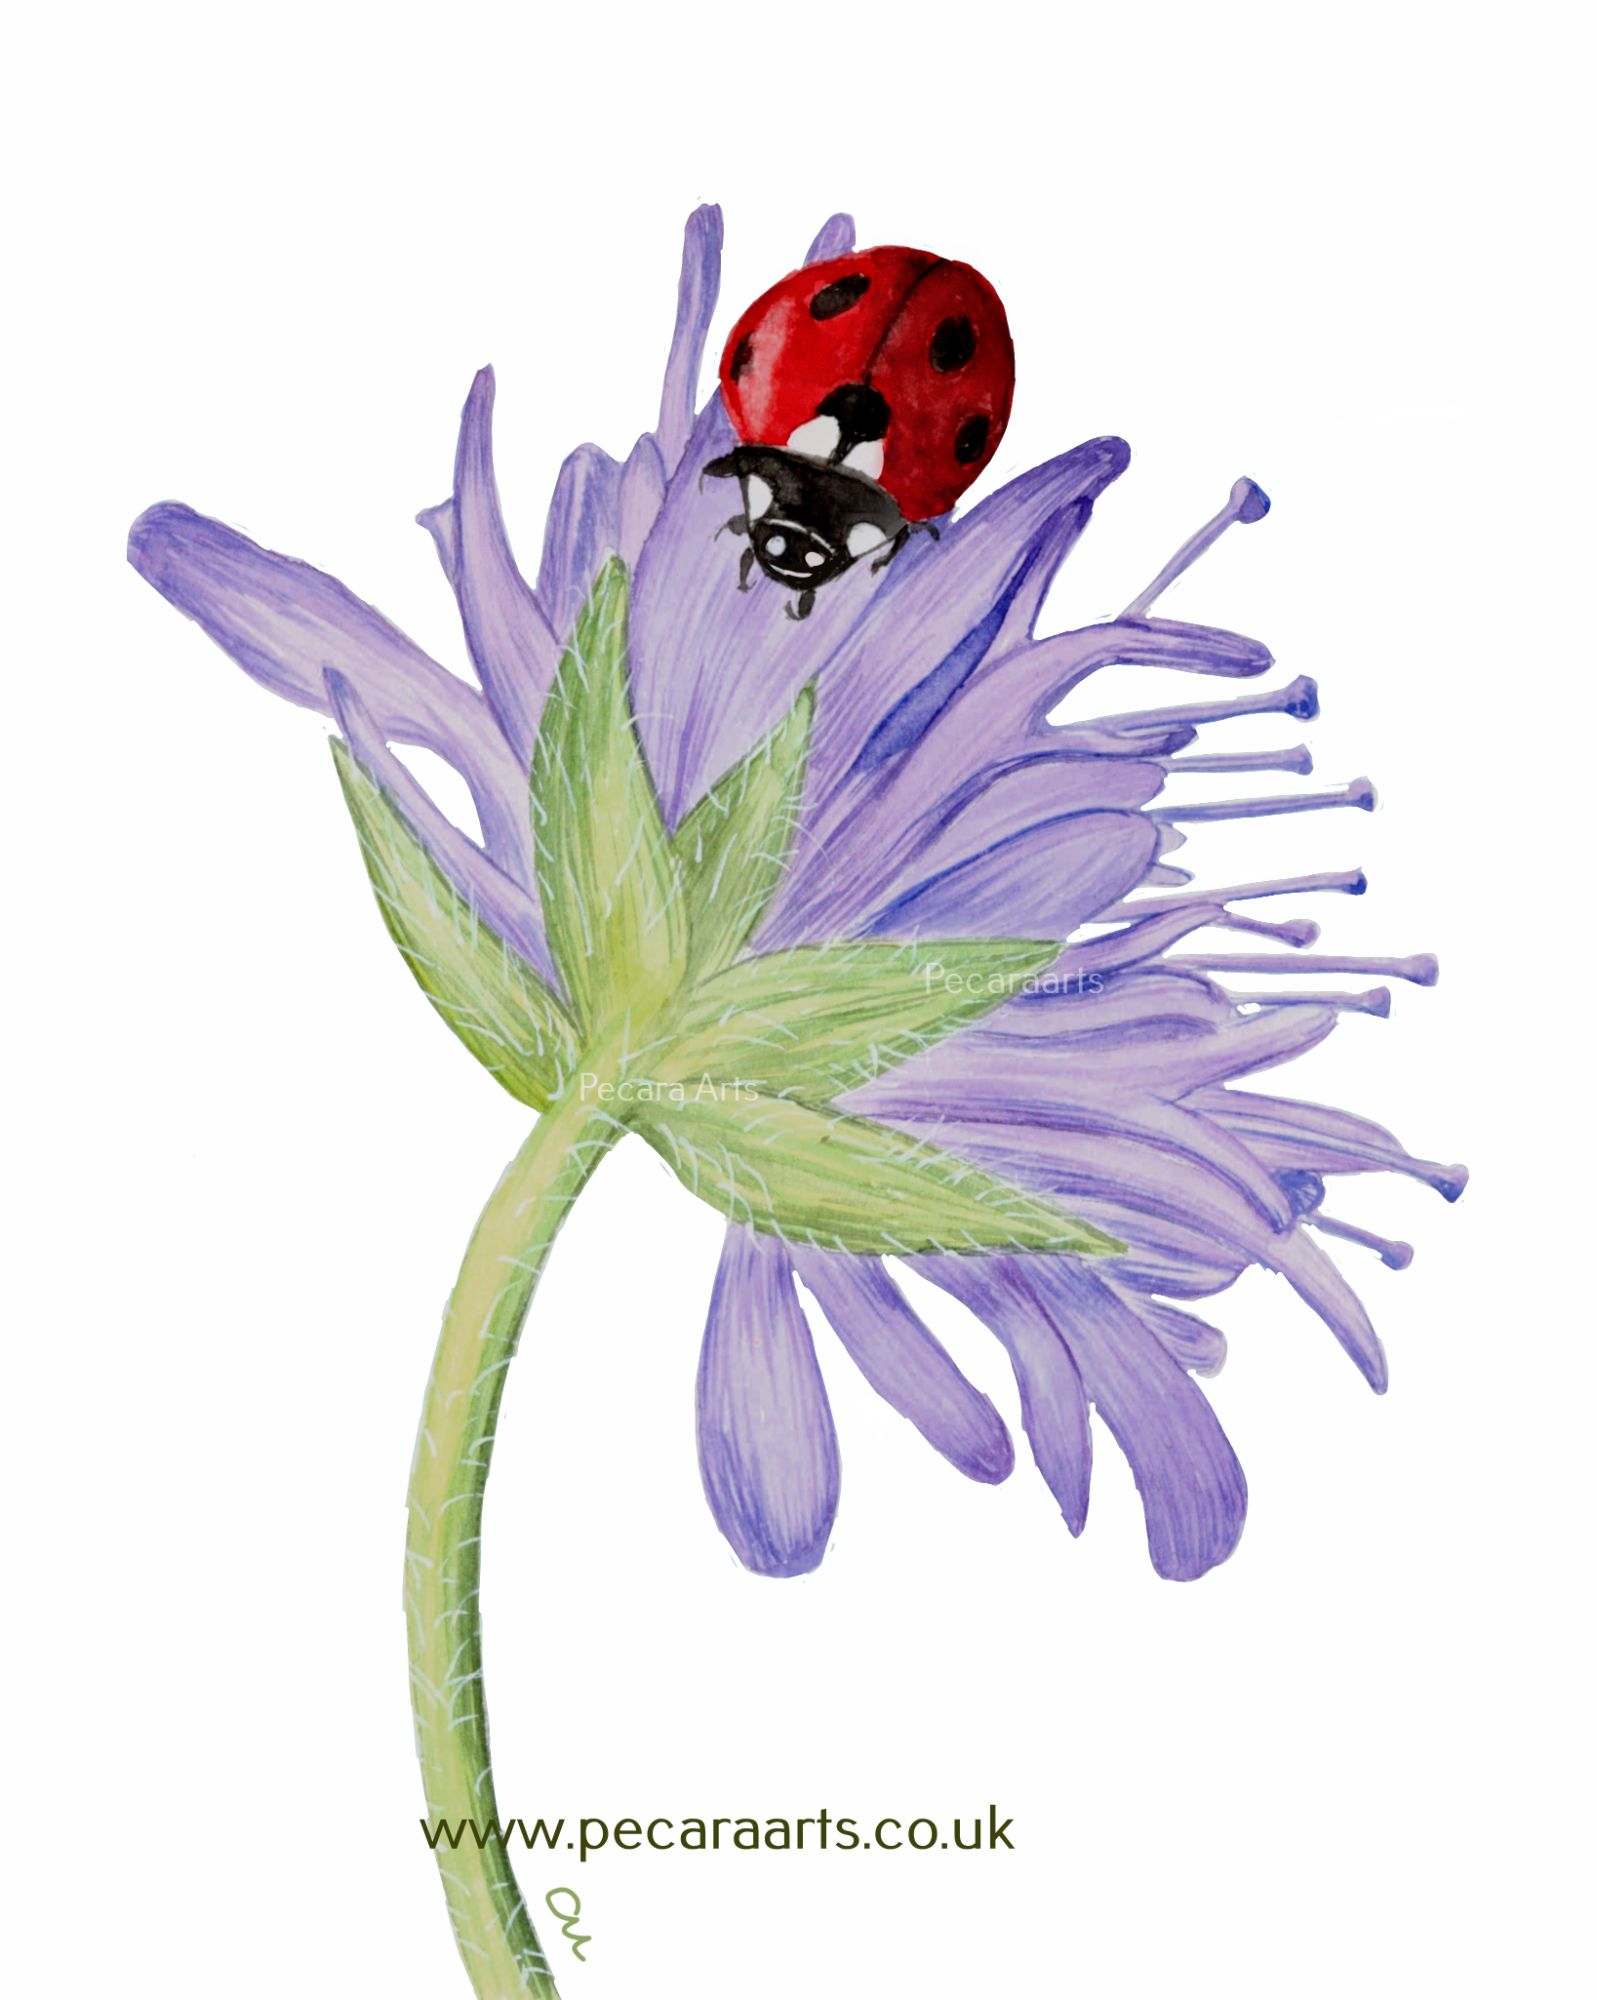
(1141, 1005)
(835, 239)
(918, 646)
(1190, 1340)
(1170, 1207)
(1134, 944)
(984, 1080)
(286, 624)
(904, 1362)
(696, 295)
(1194, 1496)
(1251, 1042)
(997, 715)
(869, 860)
(1052, 1403)
(502, 904)
(512, 646)
(1040, 884)
(583, 528)
(767, 1448)
(702, 701)
(1291, 1134)
(641, 495)
(440, 523)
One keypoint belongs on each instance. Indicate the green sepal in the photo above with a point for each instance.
(733, 846)
(486, 992)
(820, 1020)
(839, 1183)
(612, 898)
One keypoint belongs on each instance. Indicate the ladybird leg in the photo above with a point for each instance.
(806, 604)
(891, 550)
(744, 567)
(738, 525)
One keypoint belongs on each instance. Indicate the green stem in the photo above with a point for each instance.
(443, 1546)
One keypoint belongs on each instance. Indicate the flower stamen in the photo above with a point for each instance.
(1357, 792)
(1248, 502)
(1395, 1255)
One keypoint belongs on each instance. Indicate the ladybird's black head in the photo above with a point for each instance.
(807, 521)
(794, 553)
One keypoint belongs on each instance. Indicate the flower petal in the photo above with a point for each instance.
(927, 636)
(979, 1079)
(1292, 1134)
(767, 1448)
(584, 527)
(1141, 1004)
(1167, 1209)
(503, 905)
(1052, 1402)
(638, 503)
(905, 1363)
(1194, 1496)
(701, 701)
(997, 715)
(512, 645)
(696, 295)
(286, 623)
(1043, 883)
(835, 238)
(1192, 1341)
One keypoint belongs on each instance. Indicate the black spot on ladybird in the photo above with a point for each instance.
(742, 355)
(953, 344)
(838, 296)
(970, 440)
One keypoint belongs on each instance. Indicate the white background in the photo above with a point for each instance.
(256, 259)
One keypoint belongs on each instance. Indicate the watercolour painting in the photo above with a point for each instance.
(942, 974)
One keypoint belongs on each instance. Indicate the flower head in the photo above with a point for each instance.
(924, 943)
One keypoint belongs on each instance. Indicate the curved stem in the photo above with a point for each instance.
(443, 1545)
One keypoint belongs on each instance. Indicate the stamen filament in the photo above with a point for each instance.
(1247, 502)
(1420, 969)
(1376, 1000)
(1349, 882)
(1300, 932)
(1357, 792)
(1296, 759)
(1394, 1255)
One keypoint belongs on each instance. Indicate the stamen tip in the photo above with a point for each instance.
(1358, 882)
(1397, 1256)
(1304, 1189)
(1361, 793)
(1249, 501)
(1302, 699)
(1377, 1001)
(1423, 969)
(1303, 931)
(1450, 1182)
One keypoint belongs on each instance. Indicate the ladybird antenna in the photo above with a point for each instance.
(1248, 502)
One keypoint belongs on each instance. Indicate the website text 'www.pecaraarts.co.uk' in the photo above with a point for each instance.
(822, 1832)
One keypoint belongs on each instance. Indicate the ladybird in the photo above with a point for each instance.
(867, 393)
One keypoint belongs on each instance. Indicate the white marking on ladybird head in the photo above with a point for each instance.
(863, 537)
(819, 438)
(757, 496)
(775, 545)
(866, 458)
(814, 558)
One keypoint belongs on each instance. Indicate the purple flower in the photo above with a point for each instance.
(939, 802)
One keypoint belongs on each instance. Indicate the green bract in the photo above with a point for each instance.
(498, 1006)
(728, 1065)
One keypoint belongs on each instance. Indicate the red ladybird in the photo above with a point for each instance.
(868, 392)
